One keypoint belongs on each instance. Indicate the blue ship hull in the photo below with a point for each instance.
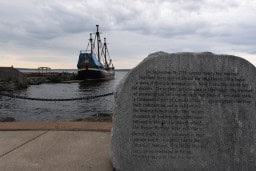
(96, 74)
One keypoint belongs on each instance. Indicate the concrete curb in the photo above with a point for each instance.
(57, 126)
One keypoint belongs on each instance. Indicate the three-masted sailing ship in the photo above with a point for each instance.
(94, 63)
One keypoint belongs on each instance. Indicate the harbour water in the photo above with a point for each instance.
(27, 110)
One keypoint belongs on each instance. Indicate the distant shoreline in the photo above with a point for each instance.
(62, 70)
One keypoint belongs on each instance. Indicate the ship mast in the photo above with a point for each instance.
(98, 41)
(105, 52)
(91, 43)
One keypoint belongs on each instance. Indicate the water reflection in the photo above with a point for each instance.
(26, 110)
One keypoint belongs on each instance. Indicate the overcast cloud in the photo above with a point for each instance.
(51, 32)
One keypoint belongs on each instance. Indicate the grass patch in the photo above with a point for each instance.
(101, 117)
(7, 119)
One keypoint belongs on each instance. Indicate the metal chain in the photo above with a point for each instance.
(42, 99)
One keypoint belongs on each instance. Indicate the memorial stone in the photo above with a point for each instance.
(186, 111)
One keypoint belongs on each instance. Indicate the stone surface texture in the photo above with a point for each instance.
(186, 111)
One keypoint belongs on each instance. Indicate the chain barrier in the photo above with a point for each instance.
(43, 99)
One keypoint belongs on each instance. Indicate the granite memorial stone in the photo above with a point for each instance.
(186, 111)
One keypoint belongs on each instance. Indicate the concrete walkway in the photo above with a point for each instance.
(55, 150)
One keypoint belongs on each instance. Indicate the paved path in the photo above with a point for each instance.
(55, 150)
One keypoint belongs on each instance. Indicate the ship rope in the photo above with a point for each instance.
(55, 100)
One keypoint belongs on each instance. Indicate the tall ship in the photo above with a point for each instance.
(94, 63)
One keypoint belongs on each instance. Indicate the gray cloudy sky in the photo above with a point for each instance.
(51, 32)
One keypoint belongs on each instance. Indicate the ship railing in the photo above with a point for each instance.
(85, 51)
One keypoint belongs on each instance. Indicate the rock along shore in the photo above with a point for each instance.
(12, 79)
